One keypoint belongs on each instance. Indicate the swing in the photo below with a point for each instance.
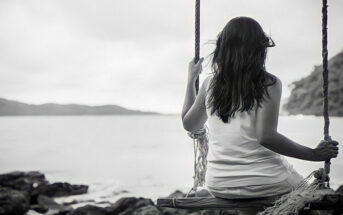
(323, 201)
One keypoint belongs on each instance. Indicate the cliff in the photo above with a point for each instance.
(306, 95)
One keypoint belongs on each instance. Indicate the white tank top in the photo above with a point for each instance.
(236, 158)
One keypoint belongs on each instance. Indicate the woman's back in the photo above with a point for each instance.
(235, 156)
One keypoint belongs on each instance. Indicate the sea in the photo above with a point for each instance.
(118, 156)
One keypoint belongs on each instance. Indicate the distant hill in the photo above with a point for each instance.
(306, 96)
(11, 108)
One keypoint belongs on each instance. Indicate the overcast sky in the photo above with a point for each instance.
(135, 53)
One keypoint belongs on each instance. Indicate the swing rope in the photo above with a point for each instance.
(307, 192)
(200, 138)
(197, 39)
(325, 85)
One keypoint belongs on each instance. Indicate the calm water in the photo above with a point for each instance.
(128, 155)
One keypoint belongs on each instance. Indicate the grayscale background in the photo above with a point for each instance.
(134, 54)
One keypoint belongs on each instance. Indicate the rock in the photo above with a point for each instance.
(59, 189)
(120, 192)
(128, 205)
(177, 194)
(90, 210)
(173, 211)
(57, 212)
(48, 206)
(142, 202)
(49, 203)
(24, 181)
(39, 208)
(32, 212)
(122, 204)
(306, 96)
(13, 202)
(147, 210)
(71, 202)
(104, 202)
(340, 189)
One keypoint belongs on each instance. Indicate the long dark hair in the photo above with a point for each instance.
(240, 79)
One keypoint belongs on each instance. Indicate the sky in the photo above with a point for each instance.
(135, 53)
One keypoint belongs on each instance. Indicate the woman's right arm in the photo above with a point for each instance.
(269, 137)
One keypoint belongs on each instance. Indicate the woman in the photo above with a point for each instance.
(240, 103)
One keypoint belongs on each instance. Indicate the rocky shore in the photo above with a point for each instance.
(32, 194)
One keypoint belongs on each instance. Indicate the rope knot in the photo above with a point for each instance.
(200, 140)
(198, 133)
(321, 177)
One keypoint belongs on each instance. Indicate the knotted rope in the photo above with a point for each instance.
(200, 138)
(325, 84)
(197, 39)
(304, 193)
(200, 141)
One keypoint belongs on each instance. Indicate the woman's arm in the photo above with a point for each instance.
(194, 108)
(269, 137)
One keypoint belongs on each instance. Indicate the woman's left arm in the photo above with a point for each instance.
(194, 109)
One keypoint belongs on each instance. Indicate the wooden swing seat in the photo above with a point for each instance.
(327, 202)
(199, 203)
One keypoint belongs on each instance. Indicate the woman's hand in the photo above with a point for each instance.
(194, 69)
(325, 150)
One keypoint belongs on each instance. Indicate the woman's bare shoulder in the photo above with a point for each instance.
(274, 86)
(273, 81)
(206, 82)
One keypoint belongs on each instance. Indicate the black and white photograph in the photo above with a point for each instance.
(156, 107)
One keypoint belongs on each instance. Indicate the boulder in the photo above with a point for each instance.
(49, 203)
(39, 208)
(177, 194)
(128, 205)
(122, 204)
(13, 202)
(48, 206)
(147, 210)
(24, 181)
(59, 189)
(90, 210)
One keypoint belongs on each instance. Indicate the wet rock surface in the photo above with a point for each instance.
(59, 189)
(13, 202)
(30, 192)
(23, 181)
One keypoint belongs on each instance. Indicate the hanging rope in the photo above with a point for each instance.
(325, 84)
(294, 201)
(197, 39)
(200, 138)
(305, 192)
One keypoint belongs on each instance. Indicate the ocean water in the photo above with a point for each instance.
(149, 156)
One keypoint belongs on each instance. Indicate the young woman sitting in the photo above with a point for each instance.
(240, 105)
